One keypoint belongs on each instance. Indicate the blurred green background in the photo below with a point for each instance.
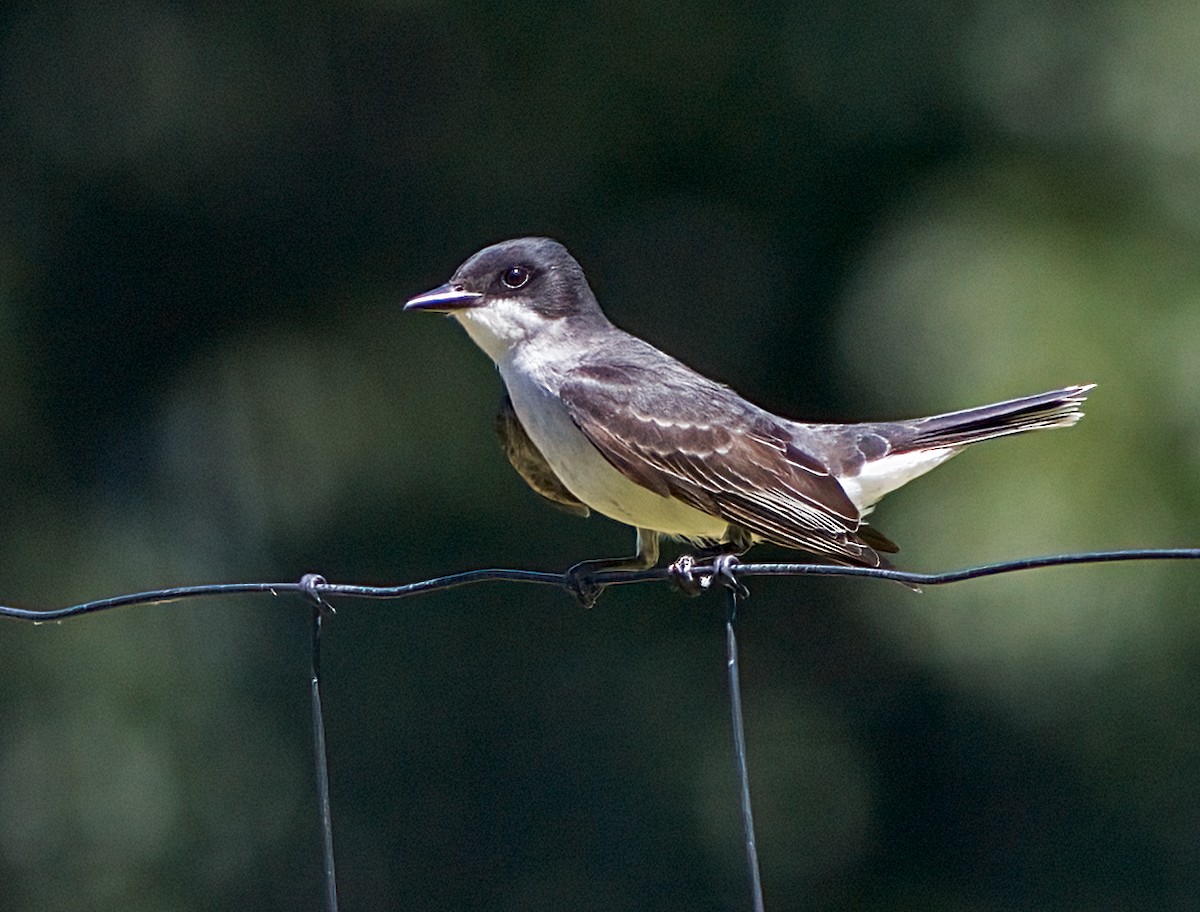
(209, 215)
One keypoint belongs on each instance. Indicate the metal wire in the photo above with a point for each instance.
(749, 838)
(312, 585)
(725, 572)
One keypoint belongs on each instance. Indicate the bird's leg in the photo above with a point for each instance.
(587, 592)
(724, 557)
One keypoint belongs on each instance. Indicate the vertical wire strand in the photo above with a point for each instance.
(322, 766)
(739, 750)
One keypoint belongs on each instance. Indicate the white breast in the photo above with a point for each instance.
(588, 475)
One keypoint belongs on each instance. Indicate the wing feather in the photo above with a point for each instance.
(717, 453)
(527, 459)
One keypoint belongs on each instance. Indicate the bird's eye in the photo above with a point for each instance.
(515, 276)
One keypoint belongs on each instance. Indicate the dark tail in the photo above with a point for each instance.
(1058, 408)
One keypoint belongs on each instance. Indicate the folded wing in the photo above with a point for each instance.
(707, 447)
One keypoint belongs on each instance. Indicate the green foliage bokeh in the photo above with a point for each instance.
(209, 216)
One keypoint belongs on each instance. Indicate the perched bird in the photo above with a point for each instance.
(598, 419)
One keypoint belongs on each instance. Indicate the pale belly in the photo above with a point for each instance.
(591, 477)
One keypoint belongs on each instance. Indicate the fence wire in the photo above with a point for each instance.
(723, 573)
(316, 588)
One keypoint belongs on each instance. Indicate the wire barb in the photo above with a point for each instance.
(310, 586)
(723, 566)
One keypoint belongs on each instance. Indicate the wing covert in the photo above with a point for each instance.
(718, 454)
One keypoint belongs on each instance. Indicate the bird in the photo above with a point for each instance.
(598, 420)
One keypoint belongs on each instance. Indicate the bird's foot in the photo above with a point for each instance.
(691, 579)
(578, 583)
(682, 574)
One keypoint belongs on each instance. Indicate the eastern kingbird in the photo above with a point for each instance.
(597, 419)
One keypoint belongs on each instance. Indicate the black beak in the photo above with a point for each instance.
(444, 299)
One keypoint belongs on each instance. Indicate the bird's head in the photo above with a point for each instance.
(513, 292)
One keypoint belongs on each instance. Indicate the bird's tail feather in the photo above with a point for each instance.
(1057, 408)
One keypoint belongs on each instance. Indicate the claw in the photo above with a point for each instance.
(585, 591)
(691, 579)
(682, 574)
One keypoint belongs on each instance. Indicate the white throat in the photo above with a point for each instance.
(531, 351)
(501, 326)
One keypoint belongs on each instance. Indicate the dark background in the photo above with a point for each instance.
(209, 216)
